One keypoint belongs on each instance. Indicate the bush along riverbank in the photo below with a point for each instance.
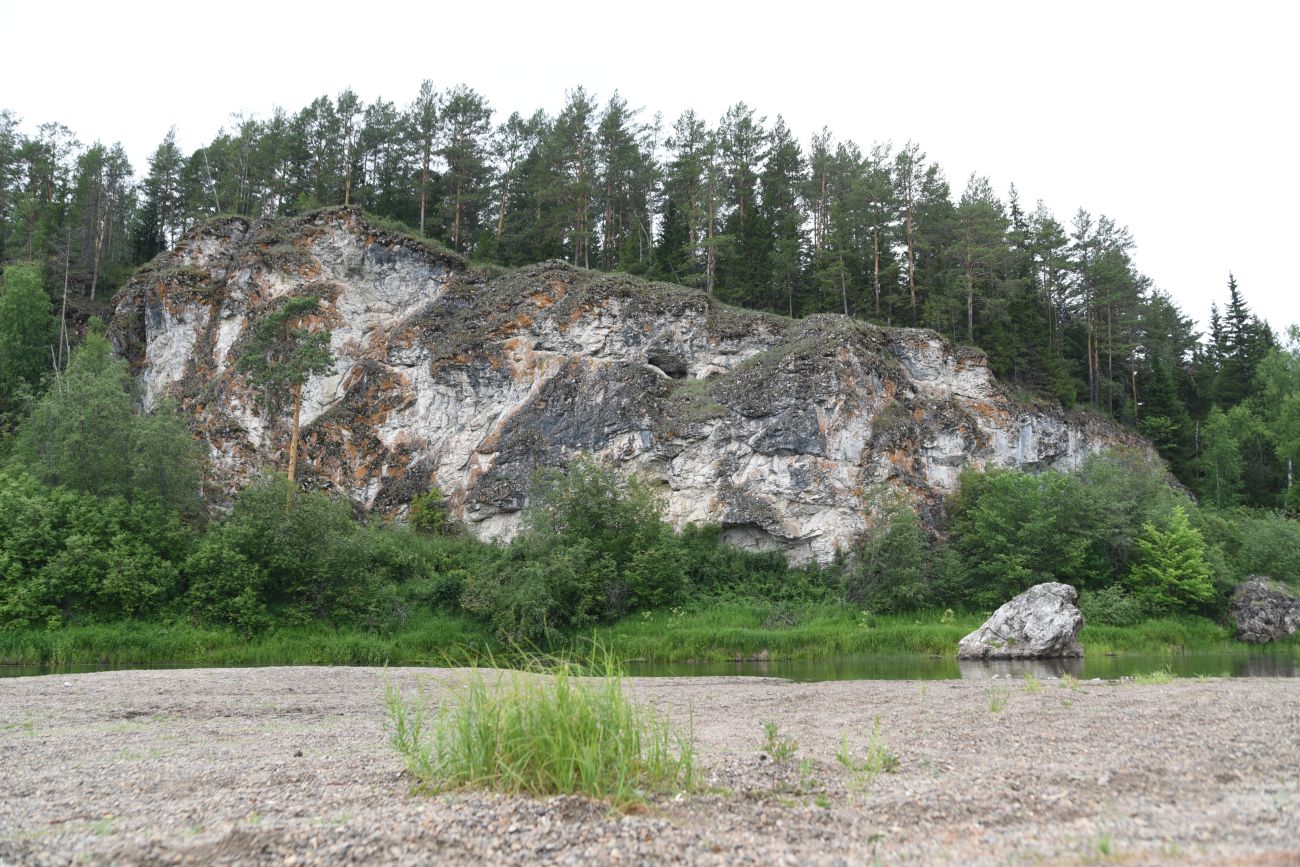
(725, 631)
(115, 561)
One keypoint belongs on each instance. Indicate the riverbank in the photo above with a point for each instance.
(719, 632)
(270, 765)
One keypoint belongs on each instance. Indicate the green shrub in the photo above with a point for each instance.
(84, 434)
(428, 512)
(1011, 530)
(301, 563)
(593, 547)
(68, 557)
(536, 593)
(1270, 545)
(1171, 574)
(541, 732)
(890, 569)
(226, 587)
(589, 503)
(1110, 606)
(717, 572)
(27, 333)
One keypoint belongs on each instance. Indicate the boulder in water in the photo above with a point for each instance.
(1042, 622)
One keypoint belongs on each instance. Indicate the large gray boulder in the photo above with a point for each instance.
(1042, 622)
(1264, 610)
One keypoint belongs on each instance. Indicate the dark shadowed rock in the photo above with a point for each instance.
(1044, 621)
(1264, 610)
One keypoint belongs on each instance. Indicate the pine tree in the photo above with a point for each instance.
(980, 246)
(1279, 383)
(421, 124)
(466, 123)
(781, 218)
(678, 253)
(160, 219)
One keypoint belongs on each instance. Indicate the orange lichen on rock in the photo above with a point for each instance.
(543, 298)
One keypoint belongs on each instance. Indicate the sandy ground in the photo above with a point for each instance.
(291, 765)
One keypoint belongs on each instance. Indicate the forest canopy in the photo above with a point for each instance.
(740, 207)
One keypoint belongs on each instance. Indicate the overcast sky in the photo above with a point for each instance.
(1176, 119)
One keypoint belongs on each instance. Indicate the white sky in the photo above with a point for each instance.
(1177, 119)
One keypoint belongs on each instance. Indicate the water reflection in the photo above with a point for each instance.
(1283, 663)
(1245, 664)
(979, 669)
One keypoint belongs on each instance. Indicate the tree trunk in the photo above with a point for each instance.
(710, 256)
(99, 252)
(501, 210)
(63, 313)
(875, 255)
(970, 307)
(293, 446)
(844, 289)
(424, 184)
(911, 264)
(455, 233)
(1110, 364)
(1135, 395)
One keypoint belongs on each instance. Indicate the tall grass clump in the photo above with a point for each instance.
(542, 731)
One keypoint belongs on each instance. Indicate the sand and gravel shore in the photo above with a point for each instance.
(292, 766)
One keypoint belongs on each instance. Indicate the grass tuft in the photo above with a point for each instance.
(998, 698)
(878, 758)
(539, 732)
(780, 747)
(1160, 675)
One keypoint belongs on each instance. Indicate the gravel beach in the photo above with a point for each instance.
(292, 766)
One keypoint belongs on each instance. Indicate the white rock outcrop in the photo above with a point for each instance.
(776, 429)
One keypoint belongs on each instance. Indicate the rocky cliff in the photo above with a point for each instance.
(471, 379)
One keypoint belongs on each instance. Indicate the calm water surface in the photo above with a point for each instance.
(1246, 664)
(1258, 664)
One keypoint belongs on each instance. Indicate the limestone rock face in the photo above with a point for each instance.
(1042, 622)
(1264, 610)
(472, 379)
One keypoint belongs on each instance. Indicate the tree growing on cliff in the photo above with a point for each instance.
(285, 352)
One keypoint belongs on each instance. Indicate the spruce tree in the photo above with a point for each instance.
(1171, 574)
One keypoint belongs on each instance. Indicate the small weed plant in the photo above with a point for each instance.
(998, 698)
(877, 760)
(541, 731)
(1032, 683)
(1070, 682)
(780, 747)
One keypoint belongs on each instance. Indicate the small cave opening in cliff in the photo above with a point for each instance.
(668, 364)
